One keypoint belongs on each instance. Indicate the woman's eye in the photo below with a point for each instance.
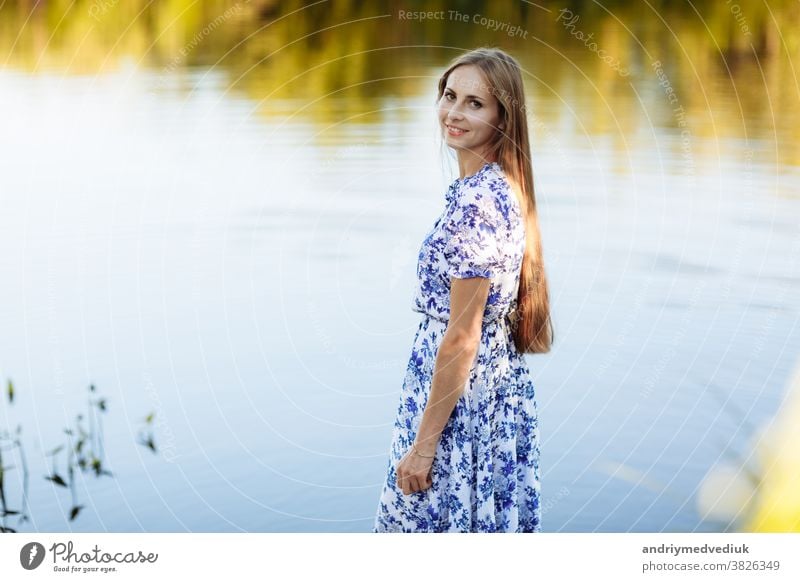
(475, 104)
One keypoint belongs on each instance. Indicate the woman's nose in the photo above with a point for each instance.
(454, 113)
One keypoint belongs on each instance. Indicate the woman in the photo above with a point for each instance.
(465, 446)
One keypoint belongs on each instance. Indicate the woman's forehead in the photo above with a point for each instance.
(468, 78)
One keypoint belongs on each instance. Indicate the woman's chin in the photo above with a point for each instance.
(454, 143)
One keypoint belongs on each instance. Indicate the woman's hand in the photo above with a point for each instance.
(414, 472)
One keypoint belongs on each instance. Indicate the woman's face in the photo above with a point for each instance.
(469, 114)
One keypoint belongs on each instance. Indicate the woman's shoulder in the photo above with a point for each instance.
(488, 189)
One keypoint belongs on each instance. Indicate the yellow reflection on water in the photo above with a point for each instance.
(778, 450)
(759, 490)
(731, 70)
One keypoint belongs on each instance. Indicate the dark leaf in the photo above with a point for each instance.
(147, 442)
(56, 478)
(10, 391)
(7, 530)
(101, 404)
(91, 387)
(74, 513)
(6, 512)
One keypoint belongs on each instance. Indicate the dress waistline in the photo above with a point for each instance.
(509, 319)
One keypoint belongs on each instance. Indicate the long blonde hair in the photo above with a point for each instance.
(533, 332)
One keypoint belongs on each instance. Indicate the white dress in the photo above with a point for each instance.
(485, 473)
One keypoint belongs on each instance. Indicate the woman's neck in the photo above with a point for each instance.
(469, 163)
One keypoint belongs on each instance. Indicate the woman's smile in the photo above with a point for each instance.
(456, 130)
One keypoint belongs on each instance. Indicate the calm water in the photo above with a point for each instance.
(233, 247)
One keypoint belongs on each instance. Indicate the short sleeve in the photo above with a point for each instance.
(473, 247)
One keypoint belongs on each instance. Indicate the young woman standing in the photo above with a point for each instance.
(465, 445)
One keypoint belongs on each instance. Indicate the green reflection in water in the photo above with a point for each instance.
(729, 64)
(84, 451)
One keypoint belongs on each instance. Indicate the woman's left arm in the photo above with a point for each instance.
(454, 360)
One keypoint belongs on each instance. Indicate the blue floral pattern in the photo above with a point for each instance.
(485, 473)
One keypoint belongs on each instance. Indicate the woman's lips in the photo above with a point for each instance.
(455, 130)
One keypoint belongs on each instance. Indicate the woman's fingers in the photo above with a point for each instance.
(402, 481)
(410, 482)
(425, 483)
(414, 483)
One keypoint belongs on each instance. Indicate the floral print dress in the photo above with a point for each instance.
(485, 473)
